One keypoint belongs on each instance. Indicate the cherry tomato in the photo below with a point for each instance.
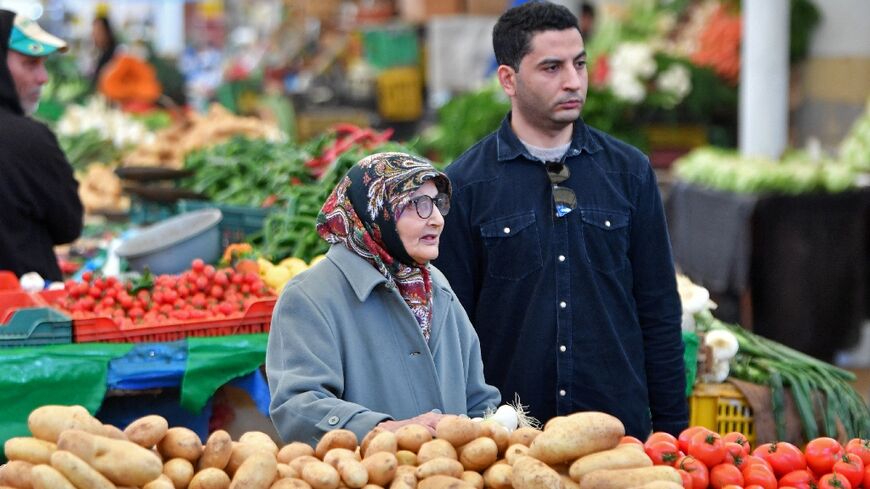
(707, 447)
(861, 448)
(725, 474)
(686, 435)
(197, 265)
(699, 472)
(834, 481)
(851, 467)
(738, 438)
(799, 479)
(760, 475)
(782, 456)
(822, 453)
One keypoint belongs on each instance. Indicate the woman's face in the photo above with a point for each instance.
(421, 236)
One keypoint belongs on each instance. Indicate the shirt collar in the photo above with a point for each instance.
(509, 146)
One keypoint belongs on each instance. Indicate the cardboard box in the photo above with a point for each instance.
(486, 7)
(419, 11)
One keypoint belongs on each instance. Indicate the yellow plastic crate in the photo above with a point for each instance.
(721, 408)
(400, 94)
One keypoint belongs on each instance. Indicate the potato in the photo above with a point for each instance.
(499, 434)
(577, 435)
(406, 457)
(335, 439)
(16, 473)
(180, 442)
(524, 436)
(568, 482)
(404, 478)
(286, 472)
(257, 472)
(384, 441)
(411, 436)
(321, 475)
(259, 438)
(299, 463)
(333, 456)
(531, 473)
(478, 454)
(47, 477)
(434, 449)
(240, 453)
(440, 465)
(29, 449)
(47, 422)
(292, 450)
(498, 476)
(112, 431)
(147, 431)
(514, 451)
(179, 471)
(210, 478)
(352, 472)
(217, 451)
(473, 478)
(78, 471)
(162, 482)
(443, 482)
(122, 462)
(621, 478)
(458, 430)
(621, 457)
(289, 483)
(381, 467)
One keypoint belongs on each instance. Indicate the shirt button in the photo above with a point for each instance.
(333, 420)
(561, 257)
(563, 304)
(563, 348)
(507, 230)
(607, 223)
(562, 393)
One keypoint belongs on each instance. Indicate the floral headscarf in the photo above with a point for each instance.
(361, 213)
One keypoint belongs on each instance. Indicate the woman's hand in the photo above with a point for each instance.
(429, 420)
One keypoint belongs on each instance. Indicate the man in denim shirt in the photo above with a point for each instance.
(557, 245)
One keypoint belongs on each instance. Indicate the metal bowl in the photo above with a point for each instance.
(170, 245)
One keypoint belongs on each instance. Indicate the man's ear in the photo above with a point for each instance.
(507, 77)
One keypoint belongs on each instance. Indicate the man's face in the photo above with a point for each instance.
(550, 87)
(29, 75)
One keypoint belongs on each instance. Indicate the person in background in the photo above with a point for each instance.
(557, 246)
(39, 202)
(105, 45)
(373, 336)
(587, 20)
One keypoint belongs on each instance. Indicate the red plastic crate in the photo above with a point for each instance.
(8, 281)
(256, 319)
(12, 300)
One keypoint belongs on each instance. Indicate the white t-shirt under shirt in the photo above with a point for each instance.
(547, 154)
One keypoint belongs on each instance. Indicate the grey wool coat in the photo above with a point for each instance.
(345, 351)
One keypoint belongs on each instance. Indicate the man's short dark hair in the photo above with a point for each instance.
(512, 34)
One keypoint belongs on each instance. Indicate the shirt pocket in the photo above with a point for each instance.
(606, 238)
(513, 249)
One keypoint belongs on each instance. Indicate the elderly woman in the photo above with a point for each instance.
(373, 336)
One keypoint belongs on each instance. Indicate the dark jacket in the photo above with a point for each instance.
(574, 313)
(39, 202)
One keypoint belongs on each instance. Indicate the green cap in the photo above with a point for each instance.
(29, 39)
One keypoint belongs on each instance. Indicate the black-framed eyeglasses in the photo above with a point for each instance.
(564, 198)
(424, 205)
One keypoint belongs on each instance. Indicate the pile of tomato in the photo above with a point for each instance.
(706, 459)
(203, 292)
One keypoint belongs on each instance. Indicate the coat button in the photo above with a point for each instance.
(563, 348)
(561, 257)
(607, 223)
(333, 420)
(507, 230)
(563, 304)
(562, 392)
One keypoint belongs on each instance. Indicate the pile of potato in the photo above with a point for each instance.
(71, 449)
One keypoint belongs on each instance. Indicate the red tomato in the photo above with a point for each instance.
(724, 474)
(699, 472)
(707, 447)
(822, 453)
(751, 460)
(732, 486)
(197, 265)
(738, 438)
(758, 474)
(799, 479)
(782, 456)
(866, 482)
(688, 482)
(861, 448)
(834, 481)
(851, 467)
(662, 436)
(661, 452)
(734, 453)
(753, 486)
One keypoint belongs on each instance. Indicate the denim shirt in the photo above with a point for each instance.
(574, 313)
